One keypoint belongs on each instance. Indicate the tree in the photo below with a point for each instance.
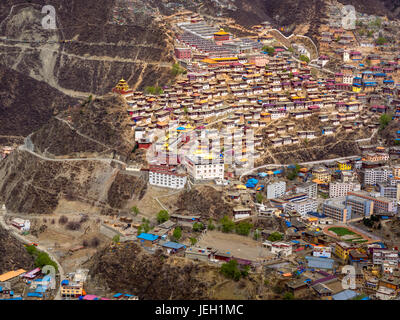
(162, 216)
(291, 49)
(211, 225)
(259, 197)
(304, 58)
(294, 172)
(288, 296)
(156, 90)
(193, 241)
(381, 41)
(384, 120)
(275, 236)
(116, 238)
(269, 50)
(231, 270)
(198, 226)
(177, 69)
(177, 233)
(135, 210)
(243, 228)
(227, 224)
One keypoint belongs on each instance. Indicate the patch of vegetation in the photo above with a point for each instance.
(156, 90)
(210, 225)
(162, 216)
(304, 58)
(193, 241)
(259, 197)
(294, 172)
(227, 225)
(243, 228)
(177, 70)
(288, 296)
(41, 258)
(384, 120)
(232, 270)
(144, 227)
(177, 234)
(198, 226)
(269, 50)
(381, 41)
(341, 231)
(135, 210)
(275, 236)
(116, 238)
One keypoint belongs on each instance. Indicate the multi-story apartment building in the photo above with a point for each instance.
(389, 191)
(276, 189)
(200, 168)
(380, 257)
(303, 206)
(337, 210)
(309, 188)
(376, 175)
(340, 189)
(380, 204)
(166, 177)
(359, 207)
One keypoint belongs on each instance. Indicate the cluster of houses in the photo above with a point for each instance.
(241, 88)
(26, 285)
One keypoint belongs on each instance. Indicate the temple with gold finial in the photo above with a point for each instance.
(221, 36)
(122, 87)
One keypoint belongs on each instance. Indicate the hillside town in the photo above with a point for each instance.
(296, 147)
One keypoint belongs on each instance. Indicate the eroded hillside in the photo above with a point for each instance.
(77, 156)
(128, 268)
(13, 254)
(88, 52)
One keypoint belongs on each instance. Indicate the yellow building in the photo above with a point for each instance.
(343, 165)
(342, 250)
(71, 289)
(322, 174)
(121, 86)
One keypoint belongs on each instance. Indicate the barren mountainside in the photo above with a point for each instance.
(102, 51)
(13, 254)
(73, 160)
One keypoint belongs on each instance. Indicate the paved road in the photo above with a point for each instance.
(25, 240)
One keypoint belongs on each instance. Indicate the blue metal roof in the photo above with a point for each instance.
(34, 295)
(173, 245)
(147, 236)
(345, 295)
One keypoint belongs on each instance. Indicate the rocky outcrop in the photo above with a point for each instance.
(13, 254)
(206, 202)
(128, 268)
